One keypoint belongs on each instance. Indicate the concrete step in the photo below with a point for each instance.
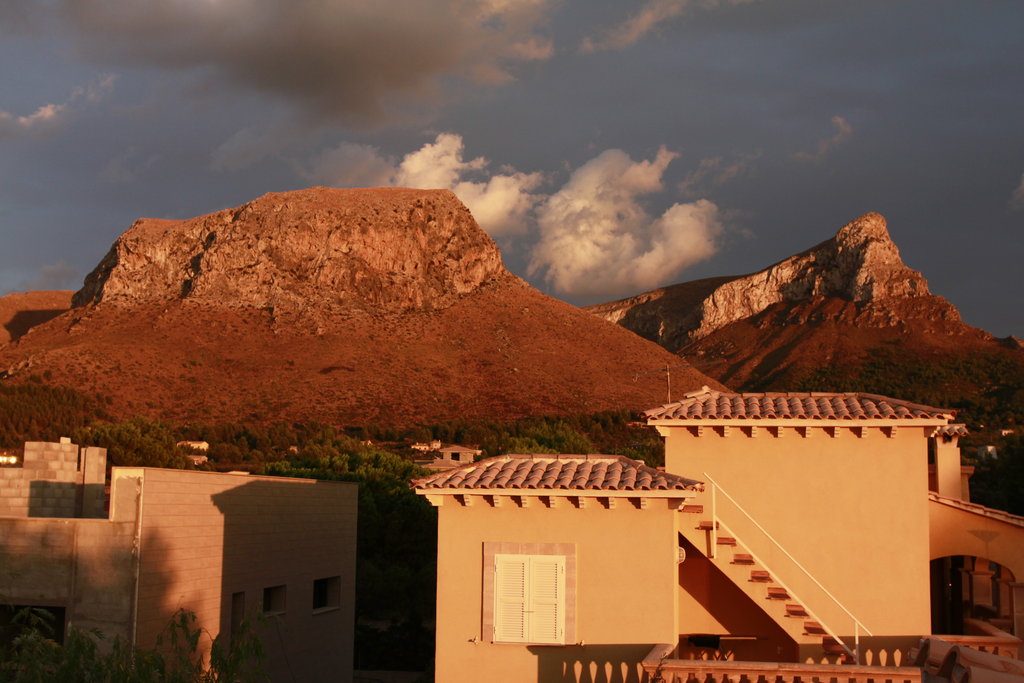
(793, 610)
(813, 628)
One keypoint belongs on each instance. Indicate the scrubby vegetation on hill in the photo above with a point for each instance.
(38, 412)
(997, 481)
(986, 389)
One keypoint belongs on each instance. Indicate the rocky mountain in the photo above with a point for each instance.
(860, 265)
(820, 319)
(341, 306)
(320, 252)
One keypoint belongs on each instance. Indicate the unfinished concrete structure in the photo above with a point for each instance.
(54, 480)
(224, 546)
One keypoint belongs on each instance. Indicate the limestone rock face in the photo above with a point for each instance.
(342, 307)
(860, 264)
(378, 250)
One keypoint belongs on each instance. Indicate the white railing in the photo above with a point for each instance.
(858, 626)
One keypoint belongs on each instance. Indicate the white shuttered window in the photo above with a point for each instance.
(529, 598)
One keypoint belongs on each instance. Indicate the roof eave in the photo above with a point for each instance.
(937, 421)
(566, 493)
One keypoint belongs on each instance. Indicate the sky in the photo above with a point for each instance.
(608, 147)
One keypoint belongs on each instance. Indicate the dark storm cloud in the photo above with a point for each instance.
(59, 275)
(351, 60)
(219, 101)
(16, 15)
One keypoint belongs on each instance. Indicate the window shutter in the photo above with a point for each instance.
(547, 599)
(529, 598)
(510, 577)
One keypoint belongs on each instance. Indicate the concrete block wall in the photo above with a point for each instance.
(54, 480)
(208, 538)
(86, 566)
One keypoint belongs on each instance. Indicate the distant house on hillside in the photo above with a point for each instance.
(224, 546)
(447, 456)
(790, 535)
(201, 446)
(459, 454)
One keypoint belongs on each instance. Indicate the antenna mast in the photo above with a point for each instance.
(668, 373)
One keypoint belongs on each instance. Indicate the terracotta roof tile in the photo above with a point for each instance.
(951, 430)
(707, 404)
(557, 472)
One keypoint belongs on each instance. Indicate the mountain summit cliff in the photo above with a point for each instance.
(323, 249)
(846, 315)
(860, 265)
(340, 306)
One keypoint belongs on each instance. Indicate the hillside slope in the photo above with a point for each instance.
(20, 312)
(342, 306)
(846, 314)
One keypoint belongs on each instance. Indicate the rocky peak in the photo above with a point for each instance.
(861, 264)
(385, 249)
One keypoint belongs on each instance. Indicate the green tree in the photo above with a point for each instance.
(135, 442)
(34, 657)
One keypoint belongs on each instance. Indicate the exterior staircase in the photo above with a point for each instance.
(727, 552)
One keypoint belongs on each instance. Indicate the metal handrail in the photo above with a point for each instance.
(857, 624)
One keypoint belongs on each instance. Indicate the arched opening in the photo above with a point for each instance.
(966, 588)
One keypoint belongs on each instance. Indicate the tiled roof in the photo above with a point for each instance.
(558, 472)
(951, 430)
(707, 404)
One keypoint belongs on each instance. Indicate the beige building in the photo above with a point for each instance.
(447, 456)
(813, 529)
(571, 551)
(225, 546)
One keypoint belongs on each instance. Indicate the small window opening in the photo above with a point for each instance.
(327, 593)
(274, 600)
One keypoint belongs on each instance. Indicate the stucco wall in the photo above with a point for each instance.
(625, 589)
(853, 510)
(970, 532)
(207, 536)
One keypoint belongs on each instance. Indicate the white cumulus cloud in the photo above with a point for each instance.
(597, 240)
(51, 117)
(592, 236)
(501, 202)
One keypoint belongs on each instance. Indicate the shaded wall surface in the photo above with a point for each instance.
(206, 542)
(86, 566)
(852, 509)
(215, 543)
(711, 604)
(624, 591)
